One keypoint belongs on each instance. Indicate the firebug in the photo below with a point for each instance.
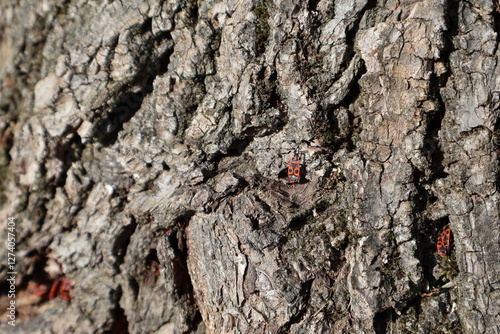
(294, 169)
(65, 289)
(60, 288)
(39, 289)
(443, 244)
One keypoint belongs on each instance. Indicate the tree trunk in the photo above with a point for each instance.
(144, 150)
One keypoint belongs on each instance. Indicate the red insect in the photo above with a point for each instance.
(39, 289)
(294, 169)
(65, 290)
(60, 288)
(443, 244)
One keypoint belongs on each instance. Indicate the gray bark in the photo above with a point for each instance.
(144, 149)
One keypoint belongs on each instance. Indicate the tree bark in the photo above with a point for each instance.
(144, 150)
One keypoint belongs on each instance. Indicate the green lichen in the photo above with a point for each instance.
(318, 234)
(262, 28)
(62, 9)
(301, 220)
(448, 266)
(215, 42)
(4, 178)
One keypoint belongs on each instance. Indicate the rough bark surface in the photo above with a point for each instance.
(144, 149)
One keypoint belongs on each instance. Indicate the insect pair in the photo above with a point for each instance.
(60, 288)
(443, 244)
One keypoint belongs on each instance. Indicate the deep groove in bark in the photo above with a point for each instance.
(120, 244)
(383, 319)
(130, 101)
(181, 278)
(306, 294)
(120, 322)
(496, 140)
(431, 148)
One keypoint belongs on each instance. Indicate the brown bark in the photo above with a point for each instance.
(144, 149)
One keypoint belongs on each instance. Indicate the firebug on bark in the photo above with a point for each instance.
(294, 169)
(443, 244)
(60, 288)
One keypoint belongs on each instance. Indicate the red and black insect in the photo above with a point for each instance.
(294, 169)
(60, 288)
(443, 244)
(39, 290)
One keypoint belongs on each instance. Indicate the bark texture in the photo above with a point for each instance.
(144, 149)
